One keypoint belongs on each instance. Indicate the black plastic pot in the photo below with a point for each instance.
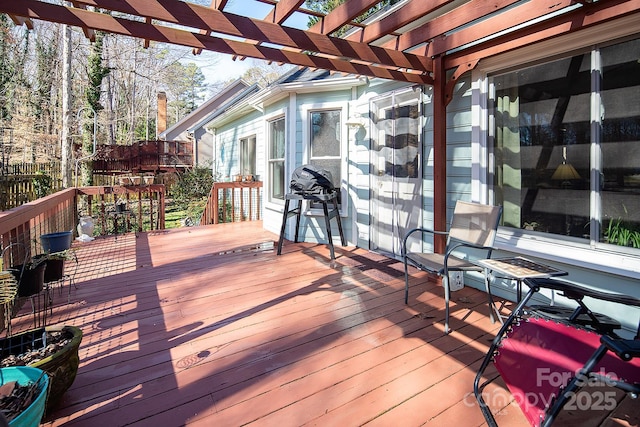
(30, 281)
(55, 267)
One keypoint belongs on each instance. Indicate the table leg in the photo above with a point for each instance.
(493, 310)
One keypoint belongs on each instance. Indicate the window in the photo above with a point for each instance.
(325, 146)
(248, 156)
(566, 145)
(276, 159)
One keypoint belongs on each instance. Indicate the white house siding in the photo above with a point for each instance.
(359, 167)
(272, 212)
(227, 138)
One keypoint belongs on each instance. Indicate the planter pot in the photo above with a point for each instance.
(24, 375)
(61, 366)
(30, 281)
(56, 242)
(54, 268)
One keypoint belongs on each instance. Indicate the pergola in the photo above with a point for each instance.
(429, 42)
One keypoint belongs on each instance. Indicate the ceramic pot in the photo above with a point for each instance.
(61, 366)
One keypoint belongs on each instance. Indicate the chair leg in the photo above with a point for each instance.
(406, 282)
(447, 296)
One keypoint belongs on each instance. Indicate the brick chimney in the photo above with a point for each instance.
(161, 122)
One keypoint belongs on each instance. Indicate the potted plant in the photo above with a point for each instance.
(55, 261)
(61, 364)
(30, 277)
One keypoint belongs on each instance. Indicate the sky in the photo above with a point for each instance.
(218, 67)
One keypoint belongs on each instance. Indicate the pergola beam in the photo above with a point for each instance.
(211, 20)
(468, 12)
(398, 19)
(580, 19)
(502, 22)
(88, 32)
(143, 30)
(283, 10)
(21, 20)
(342, 15)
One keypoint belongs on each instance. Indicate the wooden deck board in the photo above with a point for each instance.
(208, 326)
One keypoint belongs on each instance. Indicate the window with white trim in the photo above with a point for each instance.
(325, 147)
(565, 137)
(276, 135)
(248, 155)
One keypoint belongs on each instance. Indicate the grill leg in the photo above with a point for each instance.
(285, 215)
(328, 226)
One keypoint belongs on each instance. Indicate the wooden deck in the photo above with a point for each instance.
(208, 326)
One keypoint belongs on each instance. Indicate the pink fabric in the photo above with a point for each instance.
(540, 356)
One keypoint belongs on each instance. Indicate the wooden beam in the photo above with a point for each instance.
(88, 32)
(342, 15)
(219, 4)
(398, 19)
(504, 21)
(200, 17)
(439, 154)
(147, 42)
(19, 20)
(459, 71)
(469, 12)
(283, 10)
(580, 19)
(215, 4)
(112, 24)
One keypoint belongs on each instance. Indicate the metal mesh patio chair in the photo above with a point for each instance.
(473, 225)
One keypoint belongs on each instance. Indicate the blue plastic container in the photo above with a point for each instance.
(24, 375)
(56, 242)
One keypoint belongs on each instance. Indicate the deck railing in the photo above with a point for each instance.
(144, 210)
(143, 207)
(26, 223)
(233, 202)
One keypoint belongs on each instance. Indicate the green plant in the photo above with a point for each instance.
(622, 233)
(193, 184)
(41, 184)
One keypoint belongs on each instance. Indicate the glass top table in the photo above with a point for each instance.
(519, 268)
(514, 268)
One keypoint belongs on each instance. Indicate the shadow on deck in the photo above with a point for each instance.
(207, 325)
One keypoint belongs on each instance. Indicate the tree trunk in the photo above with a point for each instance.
(67, 148)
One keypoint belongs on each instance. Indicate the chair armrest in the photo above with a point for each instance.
(624, 349)
(464, 244)
(574, 291)
(421, 230)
